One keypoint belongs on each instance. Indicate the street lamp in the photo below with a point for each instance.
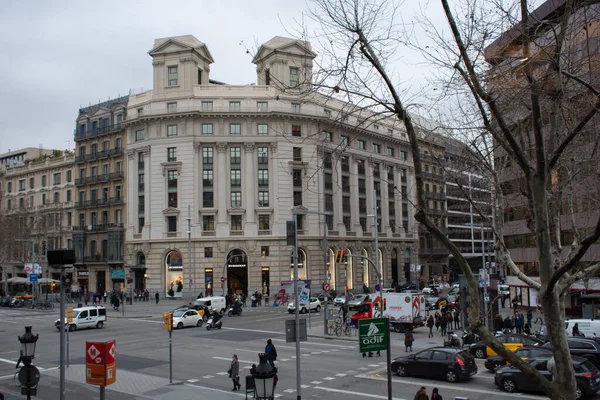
(264, 378)
(28, 341)
(29, 375)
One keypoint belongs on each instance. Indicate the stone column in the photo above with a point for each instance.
(385, 211)
(370, 194)
(338, 204)
(131, 191)
(249, 184)
(221, 200)
(355, 224)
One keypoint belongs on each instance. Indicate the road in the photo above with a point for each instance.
(332, 368)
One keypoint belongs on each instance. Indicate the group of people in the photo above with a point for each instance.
(422, 394)
(442, 321)
(518, 322)
(234, 368)
(141, 295)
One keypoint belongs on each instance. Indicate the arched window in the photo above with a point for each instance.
(173, 274)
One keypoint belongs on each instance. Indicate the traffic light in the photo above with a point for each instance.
(384, 304)
(167, 321)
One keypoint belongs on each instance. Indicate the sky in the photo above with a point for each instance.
(58, 56)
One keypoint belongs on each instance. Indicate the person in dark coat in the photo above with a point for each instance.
(498, 323)
(422, 394)
(456, 319)
(408, 340)
(156, 296)
(529, 318)
(435, 395)
(271, 352)
(519, 323)
(443, 324)
(234, 373)
(430, 325)
(506, 324)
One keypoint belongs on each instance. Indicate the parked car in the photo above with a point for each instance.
(340, 300)
(356, 302)
(512, 342)
(408, 286)
(451, 364)
(525, 352)
(511, 379)
(189, 317)
(315, 306)
(584, 347)
(431, 289)
(325, 297)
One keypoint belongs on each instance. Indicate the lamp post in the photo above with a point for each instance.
(47, 283)
(29, 375)
(264, 379)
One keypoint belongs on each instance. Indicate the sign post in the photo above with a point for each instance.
(168, 325)
(374, 335)
(100, 364)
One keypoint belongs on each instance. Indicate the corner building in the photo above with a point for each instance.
(241, 159)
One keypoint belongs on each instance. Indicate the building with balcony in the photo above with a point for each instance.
(99, 196)
(36, 202)
(242, 159)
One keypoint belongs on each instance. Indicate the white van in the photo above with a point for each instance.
(589, 327)
(215, 303)
(85, 317)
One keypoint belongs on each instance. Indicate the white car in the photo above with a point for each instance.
(183, 318)
(340, 300)
(315, 305)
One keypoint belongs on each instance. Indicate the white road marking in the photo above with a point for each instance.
(329, 378)
(252, 330)
(8, 322)
(4, 360)
(6, 352)
(195, 380)
(348, 392)
(340, 375)
(313, 343)
(216, 390)
(304, 386)
(316, 382)
(289, 390)
(229, 359)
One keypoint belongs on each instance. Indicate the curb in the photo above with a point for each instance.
(333, 338)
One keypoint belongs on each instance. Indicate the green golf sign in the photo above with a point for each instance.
(372, 334)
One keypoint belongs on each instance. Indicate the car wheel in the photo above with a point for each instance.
(208, 327)
(199, 323)
(318, 309)
(401, 371)
(451, 376)
(579, 393)
(72, 328)
(99, 325)
(479, 353)
(180, 325)
(509, 385)
(397, 328)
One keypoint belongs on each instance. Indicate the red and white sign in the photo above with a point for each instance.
(222, 279)
(100, 363)
(94, 352)
(111, 352)
(326, 287)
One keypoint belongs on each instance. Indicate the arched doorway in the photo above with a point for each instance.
(237, 272)
(140, 272)
(302, 271)
(349, 270)
(366, 264)
(407, 265)
(173, 274)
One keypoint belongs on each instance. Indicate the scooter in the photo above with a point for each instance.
(235, 310)
(452, 340)
(469, 337)
(213, 322)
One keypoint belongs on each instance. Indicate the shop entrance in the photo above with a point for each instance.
(237, 272)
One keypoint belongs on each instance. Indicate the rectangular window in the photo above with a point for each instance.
(82, 151)
(21, 202)
(44, 181)
(32, 181)
(172, 178)
(207, 129)
(118, 166)
(264, 225)
(208, 252)
(326, 136)
(44, 198)
(207, 178)
(21, 184)
(296, 107)
(141, 223)
(55, 179)
(208, 223)
(208, 200)
(207, 155)
(294, 77)
(56, 197)
(263, 155)
(171, 130)
(263, 199)
(236, 222)
(235, 106)
(263, 129)
(173, 75)
(361, 144)
(94, 172)
(389, 152)
(69, 176)
(376, 148)
(171, 107)
(118, 143)
(139, 135)
(235, 129)
(297, 154)
(82, 173)
(262, 106)
(207, 106)
(94, 148)
(345, 140)
(68, 195)
(403, 156)
(199, 76)
(296, 130)
(236, 177)
(236, 199)
(171, 154)
(263, 177)
(235, 155)
(105, 145)
(172, 224)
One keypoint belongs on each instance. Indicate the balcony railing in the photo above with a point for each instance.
(97, 131)
(115, 176)
(97, 258)
(141, 187)
(115, 152)
(116, 200)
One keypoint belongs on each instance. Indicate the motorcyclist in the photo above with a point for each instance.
(216, 316)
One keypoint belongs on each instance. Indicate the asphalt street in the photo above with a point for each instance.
(332, 367)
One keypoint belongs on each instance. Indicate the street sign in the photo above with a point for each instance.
(33, 278)
(69, 314)
(326, 287)
(129, 281)
(290, 330)
(486, 298)
(222, 279)
(372, 334)
(378, 287)
(100, 363)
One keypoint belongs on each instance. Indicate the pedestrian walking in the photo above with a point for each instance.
(93, 298)
(408, 340)
(271, 352)
(422, 394)
(456, 319)
(234, 373)
(105, 296)
(443, 324)
(345, 312)
(529, 318)
(515, 304)
(116, 303)
(430, 325)
(435, 395)
(156, 296)
(519, 323)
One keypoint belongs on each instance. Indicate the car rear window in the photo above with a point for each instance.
(466, 355)
(587, 365)
(102, 312)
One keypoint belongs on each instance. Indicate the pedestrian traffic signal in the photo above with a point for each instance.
(339, 256)
(384, 304)
(167, 321)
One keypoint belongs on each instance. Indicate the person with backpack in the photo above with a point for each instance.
(408, 340)
(271, 352)
(430, 325)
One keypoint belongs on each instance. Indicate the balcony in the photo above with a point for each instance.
(102, 154)
(115, 152)
(94, 132)
(431, 211)
(432, 176)
(115, 200)
(80, 181)
(80, 204)
(115, 226)
(116, 176)
(94, 259)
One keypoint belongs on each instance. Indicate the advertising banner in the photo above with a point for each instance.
(285, 293)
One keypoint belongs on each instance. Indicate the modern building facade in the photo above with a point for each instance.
(241, 159)
(100, 193)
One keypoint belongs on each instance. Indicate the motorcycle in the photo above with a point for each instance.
(452, 340)
(235, 310)
(469, 337)
(214, 321)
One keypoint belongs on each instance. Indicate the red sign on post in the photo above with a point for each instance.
(222, 279)
(100, 363)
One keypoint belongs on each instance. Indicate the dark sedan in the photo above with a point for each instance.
(511, 379)
(525, 352)
(447, 363)
(584, 347)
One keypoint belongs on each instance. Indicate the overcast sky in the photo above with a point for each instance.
(60, 55)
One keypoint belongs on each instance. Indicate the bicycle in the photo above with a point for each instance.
(330, 328)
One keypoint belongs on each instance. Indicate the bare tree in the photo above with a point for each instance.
(536, 114)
